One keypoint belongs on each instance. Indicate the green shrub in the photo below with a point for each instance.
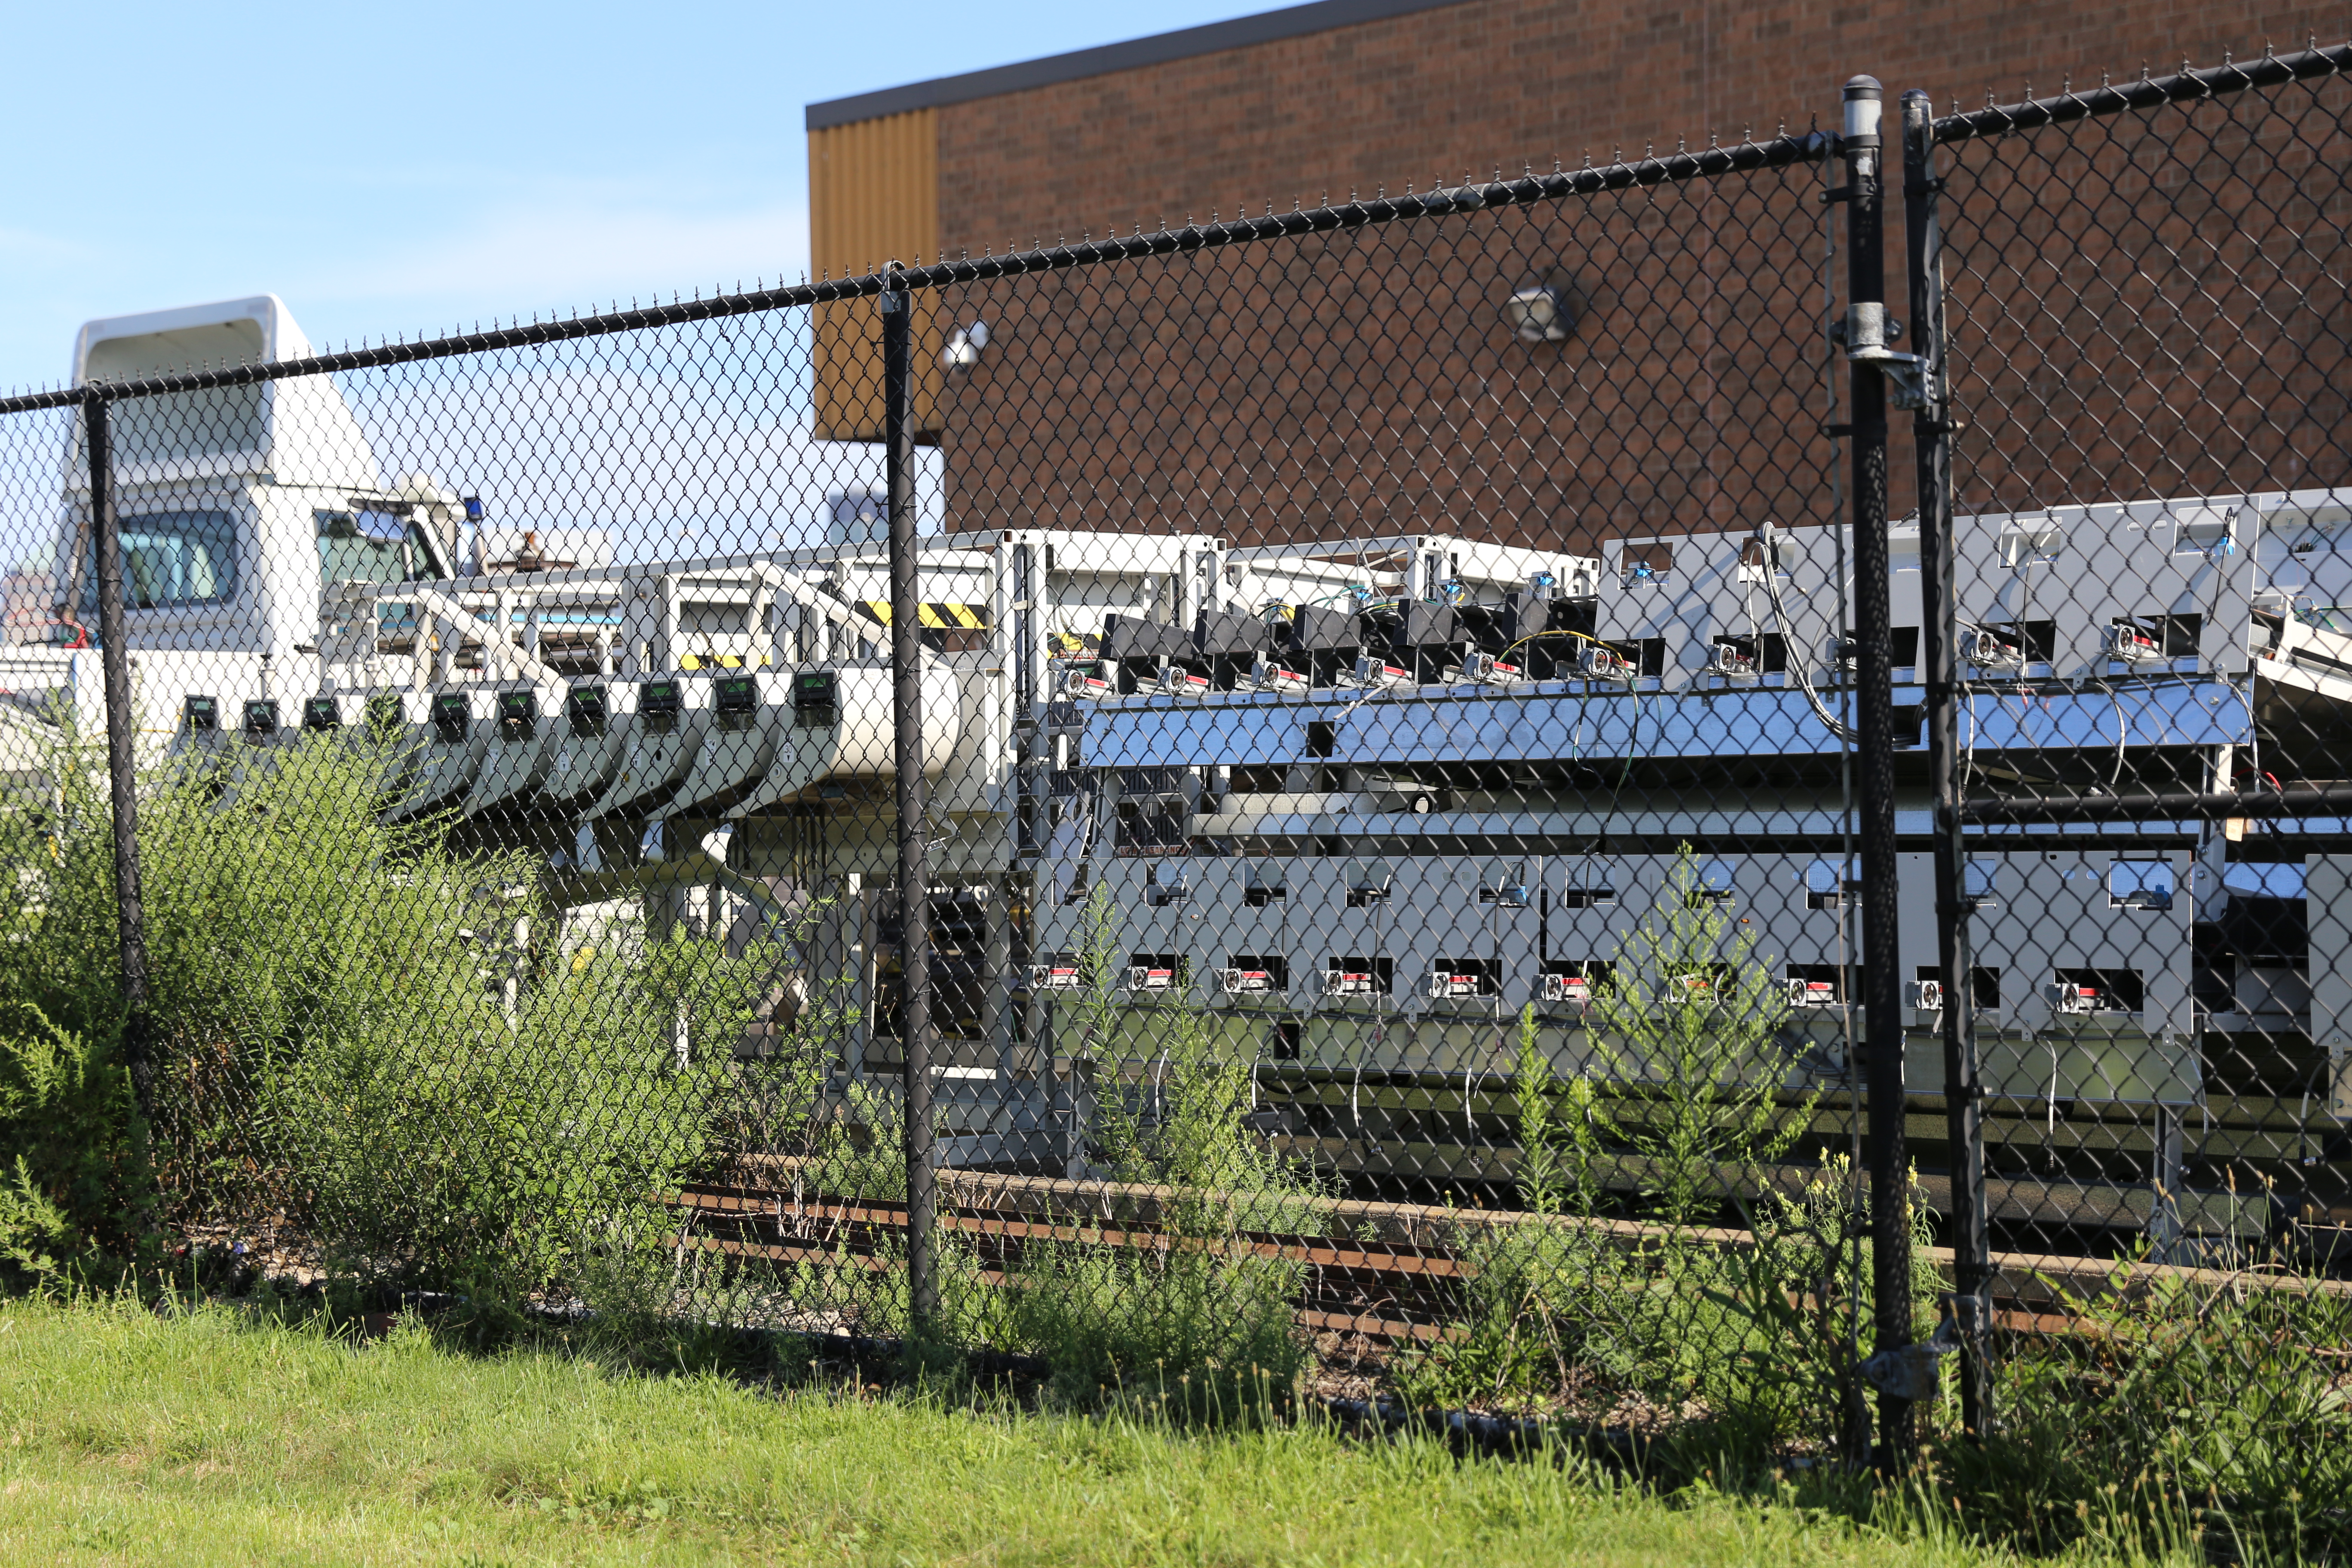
(74, 1192)
(1561, 1130)
(1201, 1318)
(360, 1033)
(1536, 1313)
(1671, 1318)
(2227, 1399)
(1207, 1325)
(1526, 1289)
(1789, 1318)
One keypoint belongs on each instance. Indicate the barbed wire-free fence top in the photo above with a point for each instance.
(1426, 798)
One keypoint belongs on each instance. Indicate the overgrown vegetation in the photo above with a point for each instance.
(2231, 1401)
(1530, 1293)
(1202, 1318)
(375, 1043)
(2222, 1409)
(363, 1038)
(76, 1183)
(1690, 1014)
(1561, 1130)
(1689, 1019)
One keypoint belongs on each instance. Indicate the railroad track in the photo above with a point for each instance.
(1387, 1295)
(1390, 1273)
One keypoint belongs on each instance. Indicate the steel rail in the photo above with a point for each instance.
(2148, 92)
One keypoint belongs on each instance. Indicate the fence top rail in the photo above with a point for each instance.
(1530, 189)
(2147, 92)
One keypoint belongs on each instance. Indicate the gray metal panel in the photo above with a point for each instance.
(1560, 721)
(2144, 558)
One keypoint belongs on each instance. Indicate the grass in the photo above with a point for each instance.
(209, 1437)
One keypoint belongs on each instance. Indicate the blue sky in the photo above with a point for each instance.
(418, 167)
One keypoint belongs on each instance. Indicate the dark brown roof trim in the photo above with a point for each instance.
(1294, 21)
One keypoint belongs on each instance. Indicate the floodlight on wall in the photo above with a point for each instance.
(1540, 313)
(963, 347)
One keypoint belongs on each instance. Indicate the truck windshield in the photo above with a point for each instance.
(364, 546)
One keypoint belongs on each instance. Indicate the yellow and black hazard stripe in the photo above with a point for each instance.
(934, 616)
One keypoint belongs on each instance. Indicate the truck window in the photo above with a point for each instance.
(365, 546)
(170, 558)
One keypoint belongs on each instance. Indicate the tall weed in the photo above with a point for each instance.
(1686, 1022)
(1690, 1014)
(1201, 1316)
(2228, 1400)
(364, 1037)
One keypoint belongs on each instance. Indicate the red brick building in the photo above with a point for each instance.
(1355, 94)
(1365, 381)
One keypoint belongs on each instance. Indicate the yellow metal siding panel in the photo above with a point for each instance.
(874, 197)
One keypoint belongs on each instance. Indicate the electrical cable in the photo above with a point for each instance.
(1556, 632)
(1967, 689)
(1560, 632)
(2123, 729)
(2254, 740)
(1969, 747)
(1272, 610)
(1836, 726)
(1632, 743)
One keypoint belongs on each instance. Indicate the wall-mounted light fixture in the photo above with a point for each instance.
(964, 346)
(1540, 312)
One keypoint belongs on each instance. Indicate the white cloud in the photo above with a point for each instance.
(31, 246)
(581, 253)
(577, 248)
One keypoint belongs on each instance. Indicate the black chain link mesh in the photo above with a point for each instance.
(1366, 768)
(2145, 300)
(1386, 681)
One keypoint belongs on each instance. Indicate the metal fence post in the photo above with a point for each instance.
(1867, 357)
(122, 756)
(1931, 428)
(906, 713)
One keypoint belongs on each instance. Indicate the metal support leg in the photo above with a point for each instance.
(907, 710)
(2163, 1228)
(1931, 432)
(1002, 1033)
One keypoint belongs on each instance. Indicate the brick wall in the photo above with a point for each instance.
(1349, 384)
(1365, 383)
(1509, 82)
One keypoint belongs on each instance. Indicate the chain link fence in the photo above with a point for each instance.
(1373, 804)
(2140, 794)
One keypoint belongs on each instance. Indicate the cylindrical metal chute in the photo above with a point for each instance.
(527, 727)
(659, 748)
(856, 740)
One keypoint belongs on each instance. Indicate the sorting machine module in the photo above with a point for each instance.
(1356, 802)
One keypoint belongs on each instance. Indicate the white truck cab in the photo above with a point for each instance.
(239, 507)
